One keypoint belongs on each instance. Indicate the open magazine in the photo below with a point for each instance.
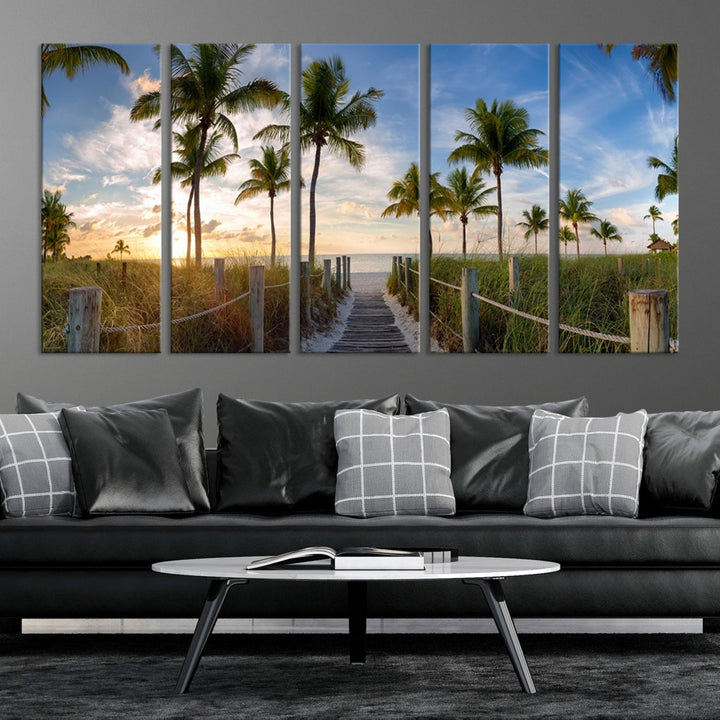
(349, 558)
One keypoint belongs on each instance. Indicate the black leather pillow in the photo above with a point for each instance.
(125, 462)
(185, 412)
(278, 457)
(489, 463)
(682, 462)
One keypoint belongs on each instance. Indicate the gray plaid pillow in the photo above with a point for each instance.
(35, 470)
(393, 465)
(585, 466)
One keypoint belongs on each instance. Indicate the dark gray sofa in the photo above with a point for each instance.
(664, 564)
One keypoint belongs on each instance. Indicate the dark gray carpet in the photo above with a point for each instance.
(408, 676)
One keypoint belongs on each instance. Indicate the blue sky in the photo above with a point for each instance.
(459, 75)
(103, 163)
(349, 203)
(612, 118)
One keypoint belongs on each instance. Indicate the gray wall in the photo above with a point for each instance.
(684, 381)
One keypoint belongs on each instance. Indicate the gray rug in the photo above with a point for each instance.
(407, 676)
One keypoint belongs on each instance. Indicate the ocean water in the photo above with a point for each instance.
(365, 262)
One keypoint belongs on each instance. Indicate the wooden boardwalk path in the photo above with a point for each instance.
(371, 327)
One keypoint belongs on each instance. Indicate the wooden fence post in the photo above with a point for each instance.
(470, 310)
(349, 279)
(305, 291)
(649, 321)
(621, 268)
(514, 280)
(219, 270)
(408, 276)
(84, 320)
(327, 276)
(338, 273)
(257, 307)
(344, 272)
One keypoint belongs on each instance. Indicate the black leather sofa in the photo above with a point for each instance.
(663, 565)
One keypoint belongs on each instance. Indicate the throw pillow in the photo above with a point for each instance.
(682, 462)
(35, 472)
(125, 461)
(278, 457)
(585, 466)
(185, 411)
(489, 450)
(393, 465)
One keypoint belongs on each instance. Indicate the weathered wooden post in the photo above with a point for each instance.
(344, 272)
(305, 291)
(470, 310)
(219, 271)
(649, 321)
(647, 265)
(349, 280)
(338, 273)
(408, 276)
(327, 276)
(257, 307)
(84, 320)
(621, 268)
(514, 280)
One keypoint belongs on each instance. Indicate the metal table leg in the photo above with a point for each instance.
(205, 624)
(492, 589)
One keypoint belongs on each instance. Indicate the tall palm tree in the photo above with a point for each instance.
(667, 180)
(575, 208)
(328, 118)
(72, 59)
(654, 213)
(606, 231)
(55, 223)
(466, 196)
(566, 236)
(536, 221)
(206, 89)
(269, 175)
(183, 169)
(405, 194)
(662, 64)
(499, 135)
(121, 247)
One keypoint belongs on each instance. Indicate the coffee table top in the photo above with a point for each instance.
(464, 568)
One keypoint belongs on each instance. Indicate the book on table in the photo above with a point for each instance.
(349, 558)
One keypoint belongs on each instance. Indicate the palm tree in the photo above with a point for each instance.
(499, 136)
(606, 231)
(121, 247)
(536, 220)
(662, 64)
(667, 180)
(206, 88)
(72, 59)
(566, 236)
(654, 213)
(406, 196)
(269, 175)
(466, 196)
(575, 208)
(183, 169)
(55, 223)
(328, 117)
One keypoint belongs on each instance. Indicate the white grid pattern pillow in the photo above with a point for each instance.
(585, 466)
(35, 468)
(393, 465)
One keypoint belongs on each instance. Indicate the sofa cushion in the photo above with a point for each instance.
(393, 465)
(125, 461)
(35, 472)
(489, 450)
(276, 457)
(585, 466)
(185, 412)
(682, 462)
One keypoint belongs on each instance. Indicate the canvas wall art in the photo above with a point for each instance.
(619, 230)
(100, 211)
(489, 198)
(359, 122)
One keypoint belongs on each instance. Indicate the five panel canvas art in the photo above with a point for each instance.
(486, 196)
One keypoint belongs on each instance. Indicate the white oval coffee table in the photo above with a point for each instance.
(485, 572)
